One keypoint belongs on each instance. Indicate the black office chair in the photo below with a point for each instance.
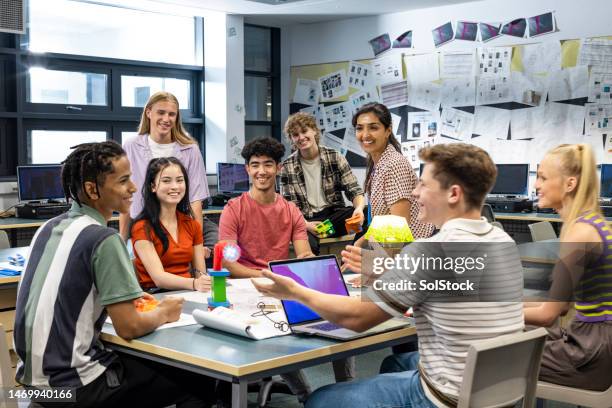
(488, 213)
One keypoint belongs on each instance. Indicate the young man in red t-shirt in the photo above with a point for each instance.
(260, 221)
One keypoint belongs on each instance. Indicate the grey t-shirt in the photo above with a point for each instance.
(314, 186)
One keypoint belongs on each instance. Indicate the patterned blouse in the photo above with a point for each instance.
(393, 179)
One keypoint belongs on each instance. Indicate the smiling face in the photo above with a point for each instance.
(162, 117)
(304, 140)
(431, 197)
(371, 134)
(115, 193)
(550, 183)
(169, 186)
(262, 172)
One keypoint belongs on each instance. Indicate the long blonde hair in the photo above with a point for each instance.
(578, 160)
(178, 132)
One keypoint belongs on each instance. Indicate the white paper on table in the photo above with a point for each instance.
(598, 118)
(422, 68)
(456, 124)
(337, 116)
(393, 95)
(457, 64)
(425, 95)
(568, 83)
(490, 90)
(388, 69)
(306, 92)
(494, 61)
(350, 142)
(318, 112)
(529, 89)
(334, 85)
(359, 99)
(333, 142)
(240, 323)
(600, 86)
(458, 92)
(184, 320)
(541, 57)
(491, 123)
(395, 120)
(360, 76)
(596, 52)
(423, 125)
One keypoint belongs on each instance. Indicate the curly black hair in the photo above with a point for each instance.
(88, 162)
(263, 147)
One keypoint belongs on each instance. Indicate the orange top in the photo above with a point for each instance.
(177, 259)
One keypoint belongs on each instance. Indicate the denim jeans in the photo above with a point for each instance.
(395, 389)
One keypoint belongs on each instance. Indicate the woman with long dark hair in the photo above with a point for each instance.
(167, 238)
(389, 177)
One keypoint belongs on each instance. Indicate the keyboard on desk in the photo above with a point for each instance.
(45, 205)
(325, 326)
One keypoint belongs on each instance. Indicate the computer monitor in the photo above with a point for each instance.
(37, 183)
(606, 181)
(512, 179)
(232, 178)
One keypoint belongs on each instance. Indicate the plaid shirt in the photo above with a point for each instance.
(336, 177)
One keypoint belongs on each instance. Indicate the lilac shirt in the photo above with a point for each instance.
(139, 154)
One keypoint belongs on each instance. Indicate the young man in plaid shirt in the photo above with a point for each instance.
(314, 177)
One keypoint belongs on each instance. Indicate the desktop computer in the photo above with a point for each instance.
(232, 180)
(40, 192)
(510, 192)
(605, 194)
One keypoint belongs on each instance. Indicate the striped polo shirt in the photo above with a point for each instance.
(76, 267)
(447, 328)
(594, 297)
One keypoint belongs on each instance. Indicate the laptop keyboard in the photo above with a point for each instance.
(327, 326)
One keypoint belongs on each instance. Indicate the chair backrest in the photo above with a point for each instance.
(487, 212)
(501, 371)
(4, 240)
(6, 371)
(541, 231)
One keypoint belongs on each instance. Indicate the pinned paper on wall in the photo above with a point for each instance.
(457, 64)
(388, 70)
(494, 61)
(466, 31)
(542, 57)
(600, 86)
(361, 98)
(306, 92)
(337, 116)
(333, 142)
(395, 121)
(360, 76)
(456, 124)
(443, 34)
(596, 53)
(515, 28)
(458, 92)
(489, 31)
(394, 95)
(424, 96)
(350, 141)
(491, 122)
(422, 68)
(598, 118)
(380, 44)
(411, 149)
(490, 90)
(404, 40)
(333, 85)
(568, 83)
(319, 113)
(422, 125)
(529, 89)
(541, 24)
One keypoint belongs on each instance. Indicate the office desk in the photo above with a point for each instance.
(240, 360)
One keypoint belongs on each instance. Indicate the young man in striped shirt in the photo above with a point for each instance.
(77, 272)
(450, 194)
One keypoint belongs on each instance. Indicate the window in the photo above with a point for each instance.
(82, 74)
(261, 82)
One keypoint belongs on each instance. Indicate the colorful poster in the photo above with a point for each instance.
(541, 24)
(515, 28)
(489, 31)
(443, 34)
(380, 44)
(404, 40)
(466, 31)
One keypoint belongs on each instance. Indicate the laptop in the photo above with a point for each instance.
(322, 273)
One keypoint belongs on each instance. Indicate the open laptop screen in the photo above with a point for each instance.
(319, 273)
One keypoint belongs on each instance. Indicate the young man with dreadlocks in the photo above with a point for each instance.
(78, 271)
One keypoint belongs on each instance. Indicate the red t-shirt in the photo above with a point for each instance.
(263, 232)
(177, 259)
